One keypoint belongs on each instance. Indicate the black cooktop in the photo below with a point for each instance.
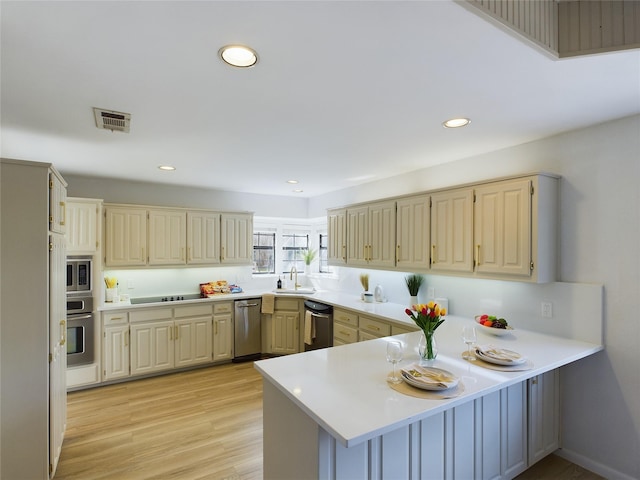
(165, 298)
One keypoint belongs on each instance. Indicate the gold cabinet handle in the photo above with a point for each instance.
(344, 255)
(478, 254)
(373, 327)
(170, 333)
(126, 338)
(433, 253)
(397, 253)
(215, 327)
(64, 213)
(222, 253)
(63, 332)
(177, 335)
(348, 334)
(189, 257)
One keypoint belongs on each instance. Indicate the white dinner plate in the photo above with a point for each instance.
(499, 356)
(428, 378)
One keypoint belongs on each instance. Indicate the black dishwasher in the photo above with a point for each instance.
(318, 325)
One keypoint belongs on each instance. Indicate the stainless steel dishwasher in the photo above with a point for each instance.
(247, 330)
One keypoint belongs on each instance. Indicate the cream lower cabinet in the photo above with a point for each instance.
(345, 327)
(193, 338)
(223, 331)
(165, 338)
(285, 326)
(115, 345)
(370, 328)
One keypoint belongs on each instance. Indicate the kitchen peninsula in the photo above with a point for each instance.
(330, 413)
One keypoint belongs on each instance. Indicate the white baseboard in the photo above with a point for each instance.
(589, 464)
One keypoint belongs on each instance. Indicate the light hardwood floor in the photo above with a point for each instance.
(201, 424)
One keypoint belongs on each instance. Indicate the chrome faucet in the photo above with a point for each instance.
(294, 271)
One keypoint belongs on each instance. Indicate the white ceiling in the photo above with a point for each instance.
(344, 92)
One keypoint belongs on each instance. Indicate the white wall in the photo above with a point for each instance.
(599, 240)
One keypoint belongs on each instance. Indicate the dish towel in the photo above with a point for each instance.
(268, 302)
(309, 328)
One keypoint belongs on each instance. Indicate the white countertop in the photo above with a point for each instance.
(344, 388)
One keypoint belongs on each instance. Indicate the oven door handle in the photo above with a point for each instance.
(80, 317)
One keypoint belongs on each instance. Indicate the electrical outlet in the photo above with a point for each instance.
(431, 293)
(546, 310)
(130, 284)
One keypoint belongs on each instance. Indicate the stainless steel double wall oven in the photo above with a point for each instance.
(80, 319)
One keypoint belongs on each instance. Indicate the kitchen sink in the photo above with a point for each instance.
(291, 291)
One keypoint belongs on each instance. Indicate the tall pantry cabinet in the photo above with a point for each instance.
(32, 319)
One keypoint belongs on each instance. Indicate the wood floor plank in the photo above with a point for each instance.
(203, 424)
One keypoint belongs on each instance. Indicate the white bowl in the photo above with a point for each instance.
(498, 332)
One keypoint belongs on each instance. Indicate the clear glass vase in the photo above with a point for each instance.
(427, 347)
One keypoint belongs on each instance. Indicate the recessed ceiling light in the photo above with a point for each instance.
(456, 123)
(167, 168)
(298, 190)
(293, 182)
(238, 55)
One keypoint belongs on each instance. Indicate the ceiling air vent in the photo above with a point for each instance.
(110, 120)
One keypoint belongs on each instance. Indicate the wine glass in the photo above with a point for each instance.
(469, 337)
(394, 355)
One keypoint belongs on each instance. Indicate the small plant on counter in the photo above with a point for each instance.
(414, 282)
(308, 256)
(364, 281)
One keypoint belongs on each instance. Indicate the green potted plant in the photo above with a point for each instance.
(309, 255)
(414, 282)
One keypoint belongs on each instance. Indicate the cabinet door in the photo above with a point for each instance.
(57, 346)
(286, 331)
(451, 231)
(337, 233)
(544, 415)
(152, 347)
(192, 338)
(125, 236)
(116, 352)
(502, 235)
(57, 204)
(222, 337)
(167, 237)
(236, 239)
(412, 233)
(358, 235)
(203, 238)
(382, 229)
(82, 226)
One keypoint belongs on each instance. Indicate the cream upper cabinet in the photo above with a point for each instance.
(236, 238)
(371, 234)
(452, 230)
(502, 233)
(203, 238)
(337, 233)
(83, 226)
(125, 236)
(138, 236)
(412, 232)
(515, 231)
(167, 237)
(57, 203)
